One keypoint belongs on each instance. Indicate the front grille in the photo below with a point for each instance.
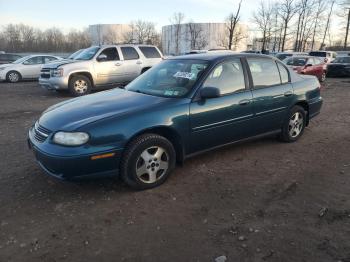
(40, 133)
(45, 73)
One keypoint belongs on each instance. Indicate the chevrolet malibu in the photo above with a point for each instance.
(179, 108)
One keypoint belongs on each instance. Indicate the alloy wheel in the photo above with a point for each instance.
(80, 86)
(152, 164)
(296, 124)
(13, 77)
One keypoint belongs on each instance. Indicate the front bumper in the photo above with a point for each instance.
(54, 83)
(67, 166)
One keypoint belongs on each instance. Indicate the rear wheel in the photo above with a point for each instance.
(13, 77)
(79, 85)
(147, 161)
(294, 125)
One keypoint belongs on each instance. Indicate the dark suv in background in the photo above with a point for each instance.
(8, 58)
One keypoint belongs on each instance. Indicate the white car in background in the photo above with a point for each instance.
(27, 67)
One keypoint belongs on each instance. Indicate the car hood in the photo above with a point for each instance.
(75, 113)
(6, 65)
(56, 64)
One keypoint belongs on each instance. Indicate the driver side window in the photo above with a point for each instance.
(228, 77)
(110, 54)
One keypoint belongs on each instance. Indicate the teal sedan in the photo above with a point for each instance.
(181, 107)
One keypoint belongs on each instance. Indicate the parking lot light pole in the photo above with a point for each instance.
(347, 29)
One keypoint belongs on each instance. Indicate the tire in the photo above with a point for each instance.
(79, 85)
(147, 161)
(323, 76)
(294, 125)
(13, 77)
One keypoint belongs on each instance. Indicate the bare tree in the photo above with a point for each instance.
(321, 6)
(262, 18)
(196, 37)
(327, 24)
(287, 11)
(231, 24)
(176, 20)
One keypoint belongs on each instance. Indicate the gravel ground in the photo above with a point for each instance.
(258, 201)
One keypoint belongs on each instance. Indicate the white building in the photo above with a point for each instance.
(180, 39)
(108, 33)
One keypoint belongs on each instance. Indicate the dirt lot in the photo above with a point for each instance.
(259, 201)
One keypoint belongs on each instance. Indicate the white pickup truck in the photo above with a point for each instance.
(99, 66)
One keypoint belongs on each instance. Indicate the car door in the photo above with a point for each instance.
(132, 63)
(272, 93)
(31, 67)
(108, 67)
(226, 118)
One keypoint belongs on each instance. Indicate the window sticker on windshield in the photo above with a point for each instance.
(187, 75)
(168, 93)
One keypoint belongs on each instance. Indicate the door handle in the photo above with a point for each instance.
(244, 102)
(288, 93)
(118, 64)
(139, 62)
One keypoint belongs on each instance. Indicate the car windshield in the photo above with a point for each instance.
(319, 54)
(21, 60)
(342, 60)
(75, 54)
(88, 53)
(295, 61)
(171, 78)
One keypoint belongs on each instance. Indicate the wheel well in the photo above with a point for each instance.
(87, 74)
(304, 105)
(169, 134)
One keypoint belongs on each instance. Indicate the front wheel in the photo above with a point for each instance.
(147, 162)
(294, 125)
(13, 77)
(79, 85)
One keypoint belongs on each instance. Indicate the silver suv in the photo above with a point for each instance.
(99, 66)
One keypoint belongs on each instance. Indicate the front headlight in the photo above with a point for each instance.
(71, 138)
(57, 72)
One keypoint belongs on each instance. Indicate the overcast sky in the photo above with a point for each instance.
(67, 14)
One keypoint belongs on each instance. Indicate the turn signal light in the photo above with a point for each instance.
(102, 156)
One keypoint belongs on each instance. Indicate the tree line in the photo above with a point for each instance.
(25, 38)
(303, 24)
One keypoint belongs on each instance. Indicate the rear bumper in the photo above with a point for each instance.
(68, 167)
(54, 83)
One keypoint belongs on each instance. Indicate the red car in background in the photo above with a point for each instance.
(307, 65)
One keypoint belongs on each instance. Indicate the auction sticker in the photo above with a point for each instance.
(187, 75)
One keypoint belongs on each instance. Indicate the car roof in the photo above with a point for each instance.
(134, 45)
(213, 56)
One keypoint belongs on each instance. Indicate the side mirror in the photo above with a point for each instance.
(209, 92)
(101, 58)
(326, 60)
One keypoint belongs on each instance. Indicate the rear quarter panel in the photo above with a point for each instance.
(307, 89)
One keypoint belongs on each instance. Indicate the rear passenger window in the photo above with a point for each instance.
(228, 77)
(149, 52)
(283, 73)
(129, 53)
(264, 72)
